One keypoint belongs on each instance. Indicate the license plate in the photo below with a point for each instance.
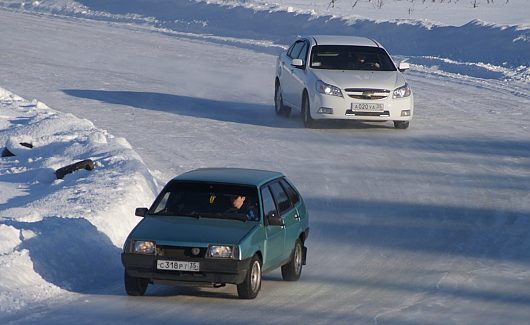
(367, 107)
(177, 266)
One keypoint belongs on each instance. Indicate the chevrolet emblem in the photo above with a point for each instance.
(368, 94)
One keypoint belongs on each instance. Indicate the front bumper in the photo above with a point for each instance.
(341, 106)
(210, 270)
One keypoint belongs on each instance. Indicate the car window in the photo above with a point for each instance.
(281, 197)
(268, 202)
(161, 204)
(349, 57)
(203, 199)
(291, 192)
(296, 49)
(303, 53)
(290, 49)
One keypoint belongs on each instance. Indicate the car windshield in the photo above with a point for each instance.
(208, 200)
(349, 57)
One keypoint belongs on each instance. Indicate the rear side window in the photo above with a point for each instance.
(281, 197)
(291, 192)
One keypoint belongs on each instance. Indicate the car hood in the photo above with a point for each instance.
(168, 230)
(361, 79)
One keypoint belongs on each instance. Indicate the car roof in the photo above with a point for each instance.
(344, 40)
(244, 176)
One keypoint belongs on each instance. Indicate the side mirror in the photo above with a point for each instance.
(297, 63)
(140, 212)
(275, 220)
(403, 66)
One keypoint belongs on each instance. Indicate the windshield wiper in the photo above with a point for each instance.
(233, 216)
(198, 215)
(195, 214)
(192, 214)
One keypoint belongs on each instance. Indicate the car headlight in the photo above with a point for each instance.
(401, 92)
(216, 251)
(144, 247)
(328, 89)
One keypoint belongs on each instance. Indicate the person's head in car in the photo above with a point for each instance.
(237, 201)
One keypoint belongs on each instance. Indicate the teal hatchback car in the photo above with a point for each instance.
(218, 226)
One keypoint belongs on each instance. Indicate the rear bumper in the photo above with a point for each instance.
(210, 270)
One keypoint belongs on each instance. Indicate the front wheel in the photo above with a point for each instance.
(292, 270)
(279, 108)
(306, 113)
(401, 124)
(249, 288)
(135, 286)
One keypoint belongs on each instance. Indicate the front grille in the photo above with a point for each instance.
(367, 93)
(382, 114)
(176, 252)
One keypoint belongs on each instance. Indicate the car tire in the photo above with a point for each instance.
(292, 270)
(250, 287)
(306, 112)
(401, 124)
(279, 108)
(87, 164)
(135, 286)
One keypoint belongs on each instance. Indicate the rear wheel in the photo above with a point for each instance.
(292, 270)
(401, 124)
(250, 287)
(135, 286)
(279, 108)
(306, 113)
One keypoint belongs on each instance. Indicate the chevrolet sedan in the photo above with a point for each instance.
(218, 226)
(342, 77)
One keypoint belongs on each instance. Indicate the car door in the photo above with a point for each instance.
(274, 245)
(298, 78)
(290, 217)
(287, 81)
(283, 69)
(301, 213)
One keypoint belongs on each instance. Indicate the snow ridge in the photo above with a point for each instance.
(476, 42)
(51, 230)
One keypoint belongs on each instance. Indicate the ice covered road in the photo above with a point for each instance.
(430, 225)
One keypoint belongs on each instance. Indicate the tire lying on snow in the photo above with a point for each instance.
(87, 164)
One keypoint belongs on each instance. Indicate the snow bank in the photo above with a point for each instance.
(495, 46)
(58, 235)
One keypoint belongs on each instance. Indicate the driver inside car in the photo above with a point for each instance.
(238, 205)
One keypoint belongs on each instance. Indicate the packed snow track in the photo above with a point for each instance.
(429, 225)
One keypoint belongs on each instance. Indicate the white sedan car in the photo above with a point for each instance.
(342, 77)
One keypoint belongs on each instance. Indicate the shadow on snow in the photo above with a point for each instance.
(224, 111)
(71, 254)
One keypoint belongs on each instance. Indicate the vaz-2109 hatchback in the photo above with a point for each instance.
(218, 226)
(342, 77)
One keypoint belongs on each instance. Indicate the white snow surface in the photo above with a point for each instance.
(447, 12)
(424, 226)
(481, 41)
(44, 219)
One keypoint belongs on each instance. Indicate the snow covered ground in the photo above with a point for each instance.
(428, 225)
(45, 221)
(483, 41)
